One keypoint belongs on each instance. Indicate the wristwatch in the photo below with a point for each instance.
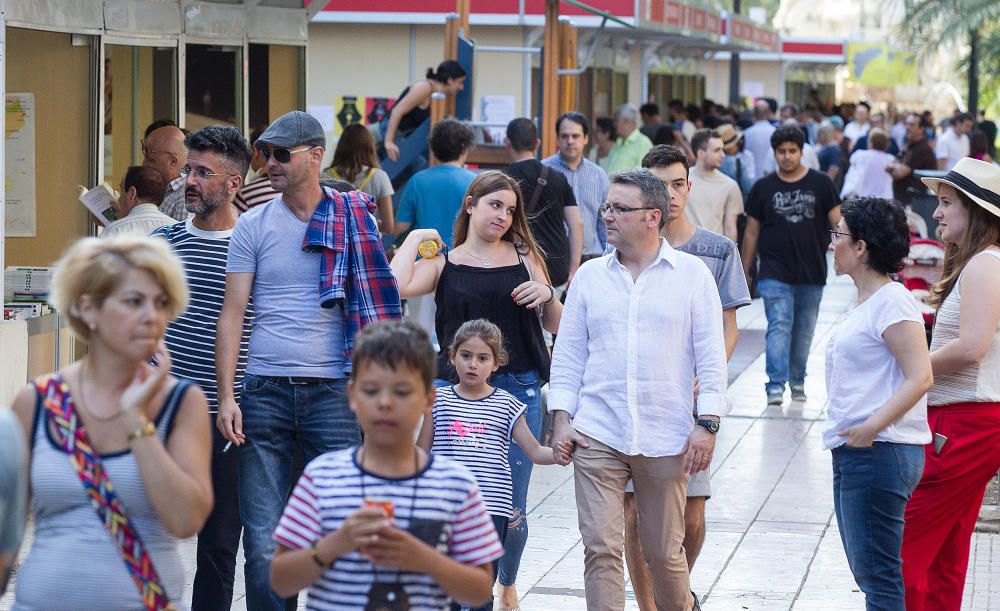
(708, 423)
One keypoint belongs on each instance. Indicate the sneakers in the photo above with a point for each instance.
(798, 393)
(775, 395)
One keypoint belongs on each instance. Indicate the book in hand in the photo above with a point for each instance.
(100, 201)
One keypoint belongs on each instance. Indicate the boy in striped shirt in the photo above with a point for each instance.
(386, 525)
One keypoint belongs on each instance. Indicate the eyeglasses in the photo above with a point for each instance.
(281, 155)
(201, 173)
(616, 210)
(836, 235)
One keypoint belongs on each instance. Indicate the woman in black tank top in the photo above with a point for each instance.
(412, 107)
(496, 272)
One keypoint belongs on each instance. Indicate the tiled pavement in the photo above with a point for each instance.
(772, 538)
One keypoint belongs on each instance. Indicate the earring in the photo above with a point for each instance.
(92, 326)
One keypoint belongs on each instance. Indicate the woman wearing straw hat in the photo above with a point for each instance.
(964, 403)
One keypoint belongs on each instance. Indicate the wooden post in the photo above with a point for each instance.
(443, 108)
(568, 57)
(550, 78)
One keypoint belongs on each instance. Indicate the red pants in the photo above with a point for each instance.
(942, 513)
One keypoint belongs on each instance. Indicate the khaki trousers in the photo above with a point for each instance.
(600, 474)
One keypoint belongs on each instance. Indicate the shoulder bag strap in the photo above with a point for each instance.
(72, 438)
(537, 192)
(371, 172)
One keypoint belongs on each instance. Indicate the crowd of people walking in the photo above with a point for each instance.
(249, 374)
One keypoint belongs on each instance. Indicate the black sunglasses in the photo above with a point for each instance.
(281, 155)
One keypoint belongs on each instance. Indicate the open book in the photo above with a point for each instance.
(99, 201)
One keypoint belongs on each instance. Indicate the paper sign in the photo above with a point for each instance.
(324, 114)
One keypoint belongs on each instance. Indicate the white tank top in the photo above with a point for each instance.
(979, 383)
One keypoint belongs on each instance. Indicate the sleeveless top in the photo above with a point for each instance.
(979, 383)
(411, 120)
(73, 563)
(466, 293)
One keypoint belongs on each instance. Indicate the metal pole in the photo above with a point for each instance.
(734, 63)
(974, 74)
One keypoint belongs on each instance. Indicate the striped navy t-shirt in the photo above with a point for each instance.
(191, 337)
(448, 514)
(477, 434)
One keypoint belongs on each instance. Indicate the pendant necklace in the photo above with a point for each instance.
(484, 260)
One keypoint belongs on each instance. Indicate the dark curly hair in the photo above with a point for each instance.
(788, 133)
(882, 225)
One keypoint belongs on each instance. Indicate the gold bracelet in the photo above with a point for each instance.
(147, 430)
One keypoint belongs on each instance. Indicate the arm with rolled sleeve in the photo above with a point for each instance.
(569, 357)
(709, 346)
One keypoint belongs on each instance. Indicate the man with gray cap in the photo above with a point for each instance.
(294, 398)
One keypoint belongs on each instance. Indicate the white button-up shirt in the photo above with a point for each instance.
(627, 353)
(141, 220)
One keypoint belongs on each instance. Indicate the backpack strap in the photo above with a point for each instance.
(537, 192)
(71, 435)
(371, 172)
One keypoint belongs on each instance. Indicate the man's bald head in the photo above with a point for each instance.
(165, 151)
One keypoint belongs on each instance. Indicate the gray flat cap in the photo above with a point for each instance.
(294, 129)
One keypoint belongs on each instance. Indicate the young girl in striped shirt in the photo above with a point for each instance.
(473, 422)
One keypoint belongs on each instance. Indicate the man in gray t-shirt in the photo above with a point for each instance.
(294, 400)
(13, 491)
(722, 257)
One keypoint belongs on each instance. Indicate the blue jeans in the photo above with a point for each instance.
(523, 385)
(280, 418)
(871, 487)
(791, 311)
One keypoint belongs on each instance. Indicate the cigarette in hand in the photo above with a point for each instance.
(228, 445)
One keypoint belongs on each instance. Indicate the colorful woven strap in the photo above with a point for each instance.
(72, 437)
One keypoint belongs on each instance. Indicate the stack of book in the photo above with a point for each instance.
(26, 290)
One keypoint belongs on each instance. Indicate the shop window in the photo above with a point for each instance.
(139, 88)
(213, 86)
(275, 81)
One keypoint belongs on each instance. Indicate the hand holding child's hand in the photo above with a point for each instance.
(563, 452)
(398, 549)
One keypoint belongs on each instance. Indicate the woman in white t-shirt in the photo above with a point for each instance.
(867, 176)
(878, 372)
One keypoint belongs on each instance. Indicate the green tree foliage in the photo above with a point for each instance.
(929, 22)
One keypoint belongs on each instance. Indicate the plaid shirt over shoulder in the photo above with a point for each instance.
(354, 270)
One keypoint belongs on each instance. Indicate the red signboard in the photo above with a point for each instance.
(618, 8)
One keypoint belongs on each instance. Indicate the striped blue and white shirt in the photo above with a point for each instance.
(441, 506)
(477, 434)
(590, 187)
(191, 337)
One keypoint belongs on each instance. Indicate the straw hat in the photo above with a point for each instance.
(979, 180)
(730, 138)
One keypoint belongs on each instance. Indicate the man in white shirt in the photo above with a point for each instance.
(954, 142)
(715, 202)
(638, 323)
(860, 125)
(757, 137)
(138, 204)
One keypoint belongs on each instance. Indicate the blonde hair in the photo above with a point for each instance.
(96, 266)
(518, 234)
(484, 330)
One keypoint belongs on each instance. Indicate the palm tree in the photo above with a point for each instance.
(928, 22)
